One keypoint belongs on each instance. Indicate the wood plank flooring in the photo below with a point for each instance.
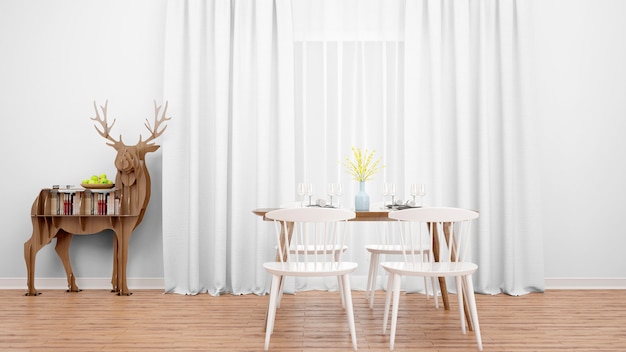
(98, 320)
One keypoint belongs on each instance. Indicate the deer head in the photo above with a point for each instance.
(132, 176)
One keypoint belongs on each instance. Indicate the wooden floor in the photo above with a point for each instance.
(95, 320)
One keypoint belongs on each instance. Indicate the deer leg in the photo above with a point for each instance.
(123, 260)
(114, 276)
(123, 238)
(40, 237)
(30, 254)
(63, 251)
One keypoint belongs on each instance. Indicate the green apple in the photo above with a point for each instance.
(103, 177)
(94, 178)
(85, 181)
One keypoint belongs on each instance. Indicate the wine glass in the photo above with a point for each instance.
(413, 191)
(301, 193)
(309, 192)
(385, 192)
(331, 193)
(422, 193)
(338, 193)
(392, 192)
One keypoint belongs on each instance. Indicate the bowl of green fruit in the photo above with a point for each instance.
(97, 182)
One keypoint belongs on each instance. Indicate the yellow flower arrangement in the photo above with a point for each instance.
(363, 167)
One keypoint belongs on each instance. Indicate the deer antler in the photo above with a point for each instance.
(106, 128)
(155, 133)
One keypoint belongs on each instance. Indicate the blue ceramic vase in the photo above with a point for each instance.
(362, 199)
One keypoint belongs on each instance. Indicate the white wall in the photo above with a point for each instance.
(57, 57)
(581, 86)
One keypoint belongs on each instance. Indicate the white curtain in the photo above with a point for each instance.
(468, 104)
(438, 88)
(228, 79)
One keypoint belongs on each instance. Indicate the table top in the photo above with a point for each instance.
(372, 215)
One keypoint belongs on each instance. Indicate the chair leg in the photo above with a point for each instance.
(271, 311)
(387, 301)
(459, 294)
(347, 295)
(372, 278)
(339, 282)
(280, 291)
(340, 287)
(394, 314)
(369, 277)
(434, 284)
(471, 301)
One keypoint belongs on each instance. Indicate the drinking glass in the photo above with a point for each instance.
(422, 193)
(338, 193)
(309, 192)
(414, 191)
(385, 192)
(392, 192)
(301, 193)
(331, 193)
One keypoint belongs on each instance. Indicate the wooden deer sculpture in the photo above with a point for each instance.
(132, 190)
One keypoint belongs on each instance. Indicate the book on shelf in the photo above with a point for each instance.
(79, 201)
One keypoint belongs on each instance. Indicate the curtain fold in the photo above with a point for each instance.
(228, 78)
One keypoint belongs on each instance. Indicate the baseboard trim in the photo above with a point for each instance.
(46, 283)
(551, 283)
(585, 283)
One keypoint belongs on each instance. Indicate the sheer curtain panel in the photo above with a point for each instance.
(349, 67)
(229, 80)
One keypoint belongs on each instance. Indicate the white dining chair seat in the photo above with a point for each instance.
(335, 249)
(384, 248)
(375, 251)
(318, 249)
(310, 269)
(435, 269)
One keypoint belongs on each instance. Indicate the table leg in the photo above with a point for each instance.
(447, 231)
(285, 238)
(442, 280)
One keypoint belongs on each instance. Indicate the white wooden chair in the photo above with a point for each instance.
(388, 245)
(310, 249)
(449, 230)
(321, 229)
